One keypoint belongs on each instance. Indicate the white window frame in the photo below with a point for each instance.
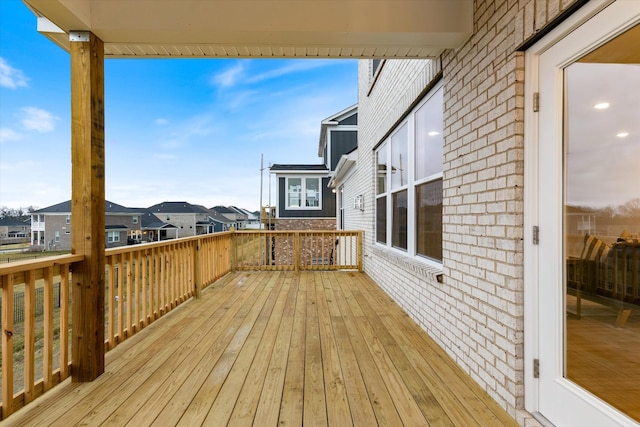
(135, 219)
(409, 187)
(303, 194)
(113, 236)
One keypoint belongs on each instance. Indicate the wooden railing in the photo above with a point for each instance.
(298, 250)
(35, 351)
(142, 283)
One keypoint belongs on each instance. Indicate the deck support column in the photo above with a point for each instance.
(87, 205)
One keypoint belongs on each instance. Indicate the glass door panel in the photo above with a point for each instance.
(602, 222)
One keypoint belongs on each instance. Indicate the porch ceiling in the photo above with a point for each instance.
(261, 28)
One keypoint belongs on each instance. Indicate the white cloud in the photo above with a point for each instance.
(290, 68)
(7, 134)
(230, 76)
(37, 119)
(10, 77)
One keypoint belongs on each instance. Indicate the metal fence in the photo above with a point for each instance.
(18, 303)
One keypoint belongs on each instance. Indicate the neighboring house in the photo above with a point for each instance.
(152, 229)
(189, 219)
(304, 202)
(237, 217)
(14, 230)
(250, 219)
(304, 199)
(221, 222)
(51, 226)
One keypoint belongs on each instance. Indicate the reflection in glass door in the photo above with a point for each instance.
(602, 222)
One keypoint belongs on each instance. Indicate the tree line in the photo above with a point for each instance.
(20, 213)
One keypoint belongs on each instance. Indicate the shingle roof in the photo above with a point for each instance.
(222, 209)
(116, 227)
(293, 167)
(177, 207)
(65, 207)
(217, 216)
(12, 222)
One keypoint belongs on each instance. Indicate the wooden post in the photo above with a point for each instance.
(197, 268)
(359, 252)
(87, 205)
(297, 256)
(234, 250)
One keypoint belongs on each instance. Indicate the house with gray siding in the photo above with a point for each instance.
(14, 230)
(304, 197)
(189, 219)
(51, 226)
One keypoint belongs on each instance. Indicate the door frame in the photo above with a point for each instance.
(541, 320)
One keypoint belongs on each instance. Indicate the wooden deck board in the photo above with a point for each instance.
(276, 349)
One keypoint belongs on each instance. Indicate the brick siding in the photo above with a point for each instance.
(476, 314)
(304, 224)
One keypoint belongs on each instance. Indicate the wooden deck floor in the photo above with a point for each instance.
(269, 349)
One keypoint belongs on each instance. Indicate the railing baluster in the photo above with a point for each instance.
(136, 286)
(129, 297)
(47, 357)
(111, 301)
(153, 283)
(7, 345)
(29, 335)
(163, 279)
(120, 284)
(64, 322)
(144, 259)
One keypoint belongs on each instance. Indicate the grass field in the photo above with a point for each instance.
(21, 256)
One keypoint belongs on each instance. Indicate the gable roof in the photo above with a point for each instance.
(218, 217)
(345, 117)
(222, 210)
(13, 222)
(178, 208)
(65, 207)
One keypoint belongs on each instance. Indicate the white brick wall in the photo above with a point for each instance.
(476, 315)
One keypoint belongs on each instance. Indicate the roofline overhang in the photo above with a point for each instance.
(345, 164)
(300, 172)
(261, 28)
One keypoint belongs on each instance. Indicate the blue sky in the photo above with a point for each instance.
(175, 129)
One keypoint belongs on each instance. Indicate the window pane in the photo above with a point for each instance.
(381, 220)
(381, 170)
(399, 220)
(312, 192)
(429, 139)
(294, 192)
(602, 228)
(399, 158)
(429, 219)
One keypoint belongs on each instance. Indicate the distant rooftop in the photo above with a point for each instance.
(293, 167)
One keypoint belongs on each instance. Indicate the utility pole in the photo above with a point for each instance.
(261, 185)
